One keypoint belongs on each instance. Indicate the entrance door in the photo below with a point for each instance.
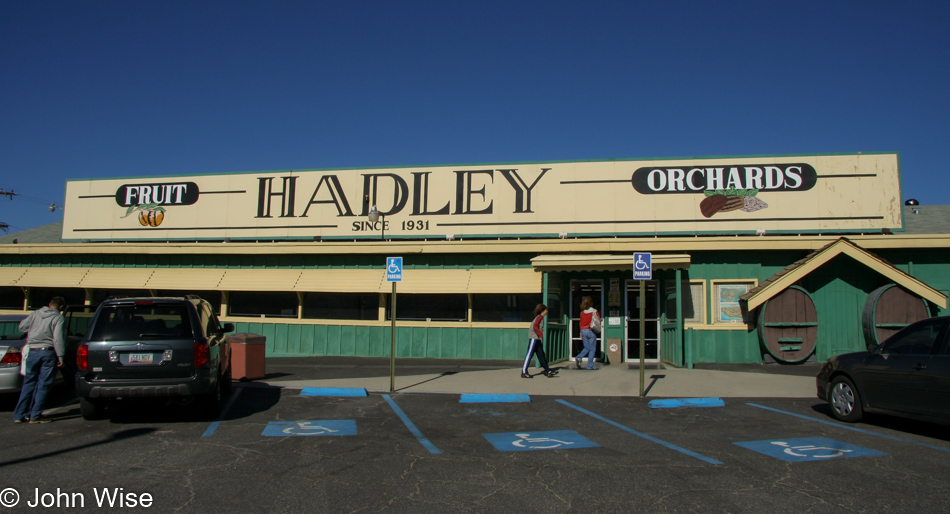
(652, 321)
(579, 289)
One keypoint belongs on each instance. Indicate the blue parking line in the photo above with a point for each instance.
(672, 403)
(333, 391)
(846, 427)
(412, 428)
(641, 434)
(224, 412)
(494, 398)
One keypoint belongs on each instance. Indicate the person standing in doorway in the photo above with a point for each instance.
(590, 320)
(535, 333)
(46, 337)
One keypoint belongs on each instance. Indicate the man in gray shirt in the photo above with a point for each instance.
(46, 337)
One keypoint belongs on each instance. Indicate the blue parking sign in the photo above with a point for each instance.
(642, 266)
(393, 269)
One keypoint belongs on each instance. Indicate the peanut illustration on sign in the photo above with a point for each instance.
(725, 200)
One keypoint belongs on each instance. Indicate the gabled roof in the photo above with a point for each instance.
(798, 270)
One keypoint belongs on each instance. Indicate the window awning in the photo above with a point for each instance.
(178, 279)
(797, 270)
(9, 276)
(606, 262)
(52, 277)
(116, 278)
(449, 281)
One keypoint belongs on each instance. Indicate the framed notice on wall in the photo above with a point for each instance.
(726, 295)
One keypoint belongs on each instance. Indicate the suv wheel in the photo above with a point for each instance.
(91, 409)
(226, 382)
(211, 402)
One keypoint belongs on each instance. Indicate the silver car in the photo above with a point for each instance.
(11, 341)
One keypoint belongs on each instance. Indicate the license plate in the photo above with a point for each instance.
(140, 358)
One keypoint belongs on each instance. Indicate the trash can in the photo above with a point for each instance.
(614, 349)
(247, 356)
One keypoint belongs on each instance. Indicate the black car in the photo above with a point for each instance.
(907, 375)
(153, 348)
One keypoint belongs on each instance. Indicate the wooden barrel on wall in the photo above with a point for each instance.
(888, 309)
(788, 326)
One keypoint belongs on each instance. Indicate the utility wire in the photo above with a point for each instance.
(10, 194)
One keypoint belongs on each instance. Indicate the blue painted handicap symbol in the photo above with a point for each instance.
(550, 440)
(310, 428)
(394, 269)
(808, 449)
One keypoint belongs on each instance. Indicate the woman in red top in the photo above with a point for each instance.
(587, 335)
(535, 333)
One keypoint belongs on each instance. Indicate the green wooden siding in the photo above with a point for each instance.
(414, 342)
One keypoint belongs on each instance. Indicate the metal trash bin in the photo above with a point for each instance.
(247, 356)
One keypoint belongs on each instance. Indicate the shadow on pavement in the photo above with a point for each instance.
(910, 426)
(119, 436)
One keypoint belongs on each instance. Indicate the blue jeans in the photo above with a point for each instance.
(590, 347)
(40, 373)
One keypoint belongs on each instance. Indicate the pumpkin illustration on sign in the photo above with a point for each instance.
(150, 214)
(725, 200)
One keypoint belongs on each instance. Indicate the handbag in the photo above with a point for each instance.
(595, 323)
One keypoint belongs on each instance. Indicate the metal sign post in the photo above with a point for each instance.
(394, 275)
(642, 271)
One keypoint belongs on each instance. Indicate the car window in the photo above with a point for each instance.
(141, 321)
(11, 330)
(78, 319)
(917, 339)
(208, 320)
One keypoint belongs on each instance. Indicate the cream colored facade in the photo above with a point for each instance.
(486, 240)
(734, 195)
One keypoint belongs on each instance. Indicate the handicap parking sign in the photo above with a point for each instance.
(310, 428)
(394, 269)
(808, 449)
(528, 441)
(642, 266)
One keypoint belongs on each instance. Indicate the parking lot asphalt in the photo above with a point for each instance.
(423, 448)
(500, 377)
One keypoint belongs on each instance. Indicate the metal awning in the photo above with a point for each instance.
(606, 262)
(454, 281)
(9, 276)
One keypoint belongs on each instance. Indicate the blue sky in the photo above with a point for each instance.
(98, 89)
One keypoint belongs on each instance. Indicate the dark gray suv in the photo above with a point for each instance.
(153, 348)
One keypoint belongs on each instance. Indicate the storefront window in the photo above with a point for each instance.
(429, 307)
(726, 293)
(212, 297)
(694, 305)
(101, 295)
(263, 304)
(11, 298)
(504, 307)
(342, 306)
(40, 296)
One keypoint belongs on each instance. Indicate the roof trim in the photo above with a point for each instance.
(798, 270)
(606, 262)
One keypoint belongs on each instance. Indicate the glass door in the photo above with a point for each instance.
(652, 321)
(579, 289)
